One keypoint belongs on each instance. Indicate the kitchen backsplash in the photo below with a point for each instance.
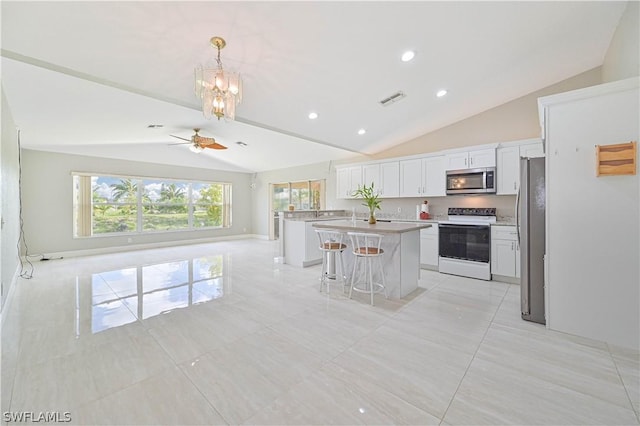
(504, 204)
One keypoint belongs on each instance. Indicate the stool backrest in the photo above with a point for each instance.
(330, 240)
(366, 244)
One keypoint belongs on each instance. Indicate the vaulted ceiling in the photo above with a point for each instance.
(90, 77)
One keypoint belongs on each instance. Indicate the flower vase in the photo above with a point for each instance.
(372, 219)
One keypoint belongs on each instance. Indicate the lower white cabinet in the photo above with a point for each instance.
(505, 253)
(429, 247)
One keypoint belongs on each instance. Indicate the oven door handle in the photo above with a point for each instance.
(463, 226)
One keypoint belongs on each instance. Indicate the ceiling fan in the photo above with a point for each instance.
(199, 143)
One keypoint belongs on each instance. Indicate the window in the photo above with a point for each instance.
(112, 204)
(303, 195)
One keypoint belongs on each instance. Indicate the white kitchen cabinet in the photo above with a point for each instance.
(390, 179)
(411, 177)
(429, 247)
(347, 180)
(505, 254)
(532, 150)
(471, 159)
(508, 170)
(385, 178)
(371, 175)
(301, 245)
(508, 164)
(457, 161)
(434, 175)
(423, 177)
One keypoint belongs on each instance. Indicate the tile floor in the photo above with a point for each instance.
(221, 334)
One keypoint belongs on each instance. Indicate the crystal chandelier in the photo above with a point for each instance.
(219, 89)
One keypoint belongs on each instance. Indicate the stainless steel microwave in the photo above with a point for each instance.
(471, 181)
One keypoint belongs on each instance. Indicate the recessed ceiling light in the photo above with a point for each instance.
(362, 131)
(408, 55)
(441, 93)
(154, 126)
(313, 115)
(241, 143)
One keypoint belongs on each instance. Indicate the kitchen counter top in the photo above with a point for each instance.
(315, 219)
(364, 226)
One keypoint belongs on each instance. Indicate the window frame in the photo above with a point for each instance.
(82, 204)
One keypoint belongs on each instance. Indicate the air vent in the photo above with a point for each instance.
(393, 98)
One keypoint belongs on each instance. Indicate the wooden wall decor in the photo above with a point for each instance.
(617, 159)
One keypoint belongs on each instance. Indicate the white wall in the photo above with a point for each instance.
(593, 223)
(10, 201)
(622, 58)
(48, 203)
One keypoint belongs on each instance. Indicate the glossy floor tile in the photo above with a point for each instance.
(220, 333)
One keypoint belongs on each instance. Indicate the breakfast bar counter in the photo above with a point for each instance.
(401, 245)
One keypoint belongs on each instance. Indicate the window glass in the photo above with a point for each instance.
(110, 205)
(165, 205)
(302, 195)
(115, 204)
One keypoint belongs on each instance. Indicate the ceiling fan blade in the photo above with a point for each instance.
(179, 143)
(214, 145)
(179, 137)
(208, 142)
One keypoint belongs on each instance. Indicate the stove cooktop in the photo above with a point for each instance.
(471, 215)
(472, 211)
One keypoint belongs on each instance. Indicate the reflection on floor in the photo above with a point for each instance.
(123, 296)
(221, 334)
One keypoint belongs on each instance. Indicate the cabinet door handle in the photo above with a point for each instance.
(514, 185)
(513, 246)
(465, 161)
(471, 160)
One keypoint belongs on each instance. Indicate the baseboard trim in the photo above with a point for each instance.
(505, 279)
(162, 244)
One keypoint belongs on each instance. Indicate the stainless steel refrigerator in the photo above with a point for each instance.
(531, 237)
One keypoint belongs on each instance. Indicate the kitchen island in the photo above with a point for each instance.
(401, 245)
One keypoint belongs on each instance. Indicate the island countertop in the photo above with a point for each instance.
(364, 226)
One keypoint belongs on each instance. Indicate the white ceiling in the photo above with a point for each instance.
(89, 77)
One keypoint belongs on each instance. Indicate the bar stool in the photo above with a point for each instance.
(366, 248)
(330, 245)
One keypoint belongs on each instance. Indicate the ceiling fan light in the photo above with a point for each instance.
(195, 148)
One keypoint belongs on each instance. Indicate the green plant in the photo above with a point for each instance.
(370, 197)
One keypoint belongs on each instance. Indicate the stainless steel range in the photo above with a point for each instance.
(465, 242)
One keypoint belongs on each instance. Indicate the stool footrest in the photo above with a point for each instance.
(364, 288)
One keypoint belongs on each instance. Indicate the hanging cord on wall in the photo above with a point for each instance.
(26, 267)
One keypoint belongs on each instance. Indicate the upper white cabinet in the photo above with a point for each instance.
(471, 159)
(532, 150)
(390, 179)
(347, 180)
(508, 164)
(411, 177)
(435, 179)
(371, 175)
(423, 177)
(385, 178)
(508, 170)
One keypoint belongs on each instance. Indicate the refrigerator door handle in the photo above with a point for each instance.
(518, 216)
